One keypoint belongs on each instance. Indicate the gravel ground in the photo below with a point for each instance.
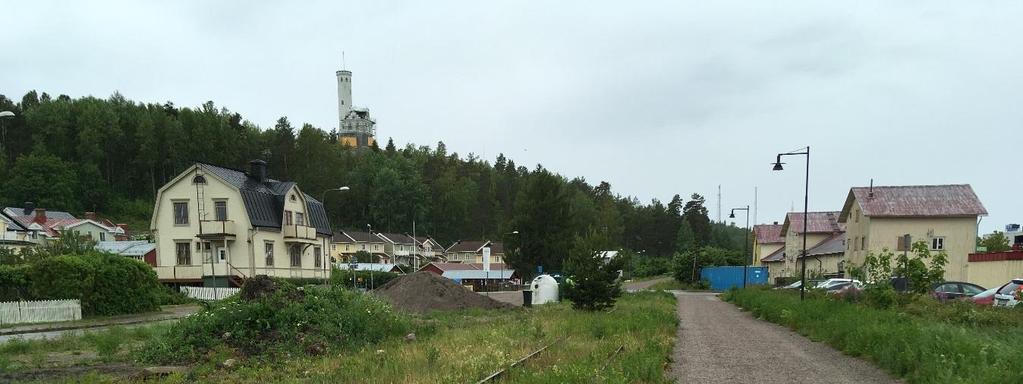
(718, 343)
(641, 285)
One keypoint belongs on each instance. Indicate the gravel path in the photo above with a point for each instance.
(718, 343)
(641, 285)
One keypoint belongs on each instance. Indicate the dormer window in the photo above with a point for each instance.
(293, 198)
(199, 179)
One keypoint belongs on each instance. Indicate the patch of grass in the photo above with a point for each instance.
(71, 348)
(922, 342)
(465, 346)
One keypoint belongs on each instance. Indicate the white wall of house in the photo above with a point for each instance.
(242, 252)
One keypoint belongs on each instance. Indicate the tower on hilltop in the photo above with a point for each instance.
(355, 127)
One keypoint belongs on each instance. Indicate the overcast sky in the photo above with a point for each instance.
(655, 98)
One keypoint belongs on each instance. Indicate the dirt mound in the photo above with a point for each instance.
(424, 291)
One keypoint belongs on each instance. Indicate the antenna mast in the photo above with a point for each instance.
(719, 203)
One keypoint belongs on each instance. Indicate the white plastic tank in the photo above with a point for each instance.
(545, 290)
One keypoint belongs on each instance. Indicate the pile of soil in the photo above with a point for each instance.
(424, 292)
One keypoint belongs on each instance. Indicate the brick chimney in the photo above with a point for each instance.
(40, 216)
(257, 170)
(90, 216)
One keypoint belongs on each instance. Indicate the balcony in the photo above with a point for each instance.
(212, 229)
(299, 234)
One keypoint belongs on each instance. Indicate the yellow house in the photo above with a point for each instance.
(14, 235)
(819, 227)
(216, 226)
(767, 239)
(943, 216)
(826, 258)
(472, 252)
(346, 243)
(775, 263)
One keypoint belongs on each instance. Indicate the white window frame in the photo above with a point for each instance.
(177, 252)
(318, 257)
(175, 204)
(938, 243)
(299, 218)
(216, 210)
(293, 251)
(268, 253)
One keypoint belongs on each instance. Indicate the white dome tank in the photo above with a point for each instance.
(545, 290)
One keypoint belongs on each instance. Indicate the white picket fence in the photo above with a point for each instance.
(41, 311)
(209, 294)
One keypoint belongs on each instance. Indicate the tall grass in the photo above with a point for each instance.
(922, 347)
(466, 346)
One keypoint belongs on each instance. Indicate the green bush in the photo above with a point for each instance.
(13, 282)
(369, 280)
(105, 284)
(279, 319)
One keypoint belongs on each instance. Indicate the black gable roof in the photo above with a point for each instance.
(264, 201)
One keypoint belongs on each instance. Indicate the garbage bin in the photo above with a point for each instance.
(527, 298)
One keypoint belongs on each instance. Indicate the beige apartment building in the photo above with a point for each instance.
(942, 216)
(767, 239)
(216, 226)
(820, 226)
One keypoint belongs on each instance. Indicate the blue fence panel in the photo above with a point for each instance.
(723, 278)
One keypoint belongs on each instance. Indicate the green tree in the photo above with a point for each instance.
(695, 214)
(995, 242)
(44, 179)
(541, 212)
(593, 281)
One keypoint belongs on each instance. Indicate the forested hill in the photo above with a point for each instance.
(111, 155)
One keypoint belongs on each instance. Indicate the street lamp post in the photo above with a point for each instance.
(745, 243)
(326, 247)
(806, 209)
(3, 132)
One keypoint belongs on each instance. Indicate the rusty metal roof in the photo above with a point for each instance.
(819, 222)
(832, 245)
(768, 233)
(778, 255)
(956, 200)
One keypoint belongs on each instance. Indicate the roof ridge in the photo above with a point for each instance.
(913, 186)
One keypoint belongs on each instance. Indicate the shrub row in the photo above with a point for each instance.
(922, 349)
(105, 284)
(272, 317)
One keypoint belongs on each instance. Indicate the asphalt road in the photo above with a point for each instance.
(718, 343)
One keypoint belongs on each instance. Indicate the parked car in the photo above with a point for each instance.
(798, 284)
(833, 282)
(848, 289)
(1006, 295)
(954, 290)
(987, 297)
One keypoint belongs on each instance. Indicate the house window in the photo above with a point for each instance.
(317, 257)
(296, 256)
(102, 236)
(901, 244)
(364, 247)
(268, 251)
(220, 210)
(937, 243)
(180, 213)
(856, 218)
(863, 243)
(183, 252)
(222, 253)
(299, 218)
(287, 218)
(293, 197)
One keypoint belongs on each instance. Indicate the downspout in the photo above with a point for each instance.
(252, 252)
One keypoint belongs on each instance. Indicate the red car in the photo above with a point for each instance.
(987, 297)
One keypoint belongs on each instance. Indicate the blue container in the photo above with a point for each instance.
(724, 278)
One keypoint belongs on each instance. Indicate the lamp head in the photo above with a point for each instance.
(732, 214)
(777, 163)
(343, 189)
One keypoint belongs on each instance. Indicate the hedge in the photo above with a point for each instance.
(105, 284)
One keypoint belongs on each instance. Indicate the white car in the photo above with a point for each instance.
(833, 282)
(1006, 296)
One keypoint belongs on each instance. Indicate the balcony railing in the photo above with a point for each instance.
(299, 232)
(217, 227)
